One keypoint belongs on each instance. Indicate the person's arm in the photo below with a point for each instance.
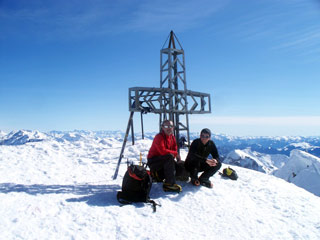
(175, 148)
(214, 152)
(215, 156)
(161, 148)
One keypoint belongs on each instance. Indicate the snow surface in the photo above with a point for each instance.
(302, 169)
(302, 145)
(62, 188)
(266, 163)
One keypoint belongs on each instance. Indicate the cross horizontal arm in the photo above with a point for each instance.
(164, 100)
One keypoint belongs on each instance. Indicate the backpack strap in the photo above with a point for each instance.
(123, 201)
(154, 204)
(133, 175)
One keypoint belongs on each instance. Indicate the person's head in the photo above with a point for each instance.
(205, 135)
(167, 127)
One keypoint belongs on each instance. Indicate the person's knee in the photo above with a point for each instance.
(169, 158)
(192, 163)
(169, 161)
(216, 167)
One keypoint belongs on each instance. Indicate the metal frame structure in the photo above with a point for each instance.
(171, 100)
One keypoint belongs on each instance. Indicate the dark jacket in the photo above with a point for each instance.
(200, 152)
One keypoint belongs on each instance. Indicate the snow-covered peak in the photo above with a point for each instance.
(261, 162)
(22, 137)
(238, 154)
(2, 134)
(299, 156)
(298, 161)
(72, 137)
(303, 145)
(302, 169)
(244, 158)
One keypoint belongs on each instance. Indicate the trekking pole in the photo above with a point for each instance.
(140, 163)
(123, 146)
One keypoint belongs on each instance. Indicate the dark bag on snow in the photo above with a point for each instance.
(230, 173)
(136, 186)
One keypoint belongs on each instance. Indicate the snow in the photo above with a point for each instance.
(22, 137)
(266, 163)
(62, 188)
(302, 169)
(301, 145)
(2, 134)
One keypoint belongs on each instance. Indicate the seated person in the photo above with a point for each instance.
(162, 154)
(198, 161)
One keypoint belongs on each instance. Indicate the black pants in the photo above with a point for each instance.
(196, 165)
(166, 164)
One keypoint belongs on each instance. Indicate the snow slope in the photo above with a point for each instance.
(266, 163)
(302, 169)
(62, 188)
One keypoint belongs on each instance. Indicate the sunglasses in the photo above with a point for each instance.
(167, 126)
(205, 136)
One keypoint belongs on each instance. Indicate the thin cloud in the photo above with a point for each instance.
(282, 25)
(80, 19)
(303, 40)
(61, 19)
(180, 14)
(259, 121)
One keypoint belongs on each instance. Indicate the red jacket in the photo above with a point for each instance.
(162, 145)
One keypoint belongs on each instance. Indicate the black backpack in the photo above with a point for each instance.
(230, 173)
(136, 186)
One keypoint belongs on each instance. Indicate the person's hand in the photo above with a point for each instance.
(178, 158)
(212, 162)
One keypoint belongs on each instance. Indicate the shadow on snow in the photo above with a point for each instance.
(98, 195)
(94, 195)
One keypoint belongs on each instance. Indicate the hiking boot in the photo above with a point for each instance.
(195, 182)
(168, 187)
(206, 183)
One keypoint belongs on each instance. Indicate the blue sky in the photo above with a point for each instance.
(67, 65)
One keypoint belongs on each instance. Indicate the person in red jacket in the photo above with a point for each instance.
(162, 155)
